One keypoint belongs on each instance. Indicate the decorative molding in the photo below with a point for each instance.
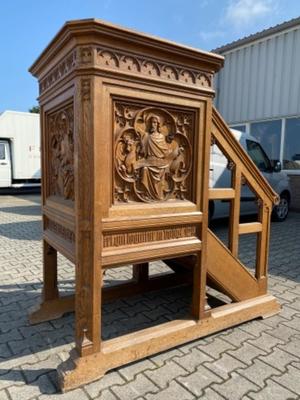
(61, 152)
(153, 153)
(147, 236)
(109, 59)
(67, 65)
(86, 89)
(60, 230)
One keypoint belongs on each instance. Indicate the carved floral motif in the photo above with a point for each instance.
(61, 153)
(153, 153)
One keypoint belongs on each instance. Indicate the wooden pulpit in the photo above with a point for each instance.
(127, 123)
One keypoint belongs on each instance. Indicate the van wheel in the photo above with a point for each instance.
(280, 212)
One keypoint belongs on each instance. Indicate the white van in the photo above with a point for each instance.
(220, 177)
(20, 153)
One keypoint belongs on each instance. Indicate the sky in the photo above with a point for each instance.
(26, 27)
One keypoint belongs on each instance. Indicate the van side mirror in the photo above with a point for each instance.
(276, 165)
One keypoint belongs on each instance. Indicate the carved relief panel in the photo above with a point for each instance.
(61, 153)
(153, 153)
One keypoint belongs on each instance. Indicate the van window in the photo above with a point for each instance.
(2, 151)
(258, 156)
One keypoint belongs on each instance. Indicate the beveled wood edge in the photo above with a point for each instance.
(227, 250)
(113, 257)
(165, 220)
(66, 248)
(250, 227)
(134, 346)
(216, 194)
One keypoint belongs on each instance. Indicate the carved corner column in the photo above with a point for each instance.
(88, 245)
(200, 268)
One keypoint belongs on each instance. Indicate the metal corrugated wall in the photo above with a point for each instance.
(261, 80)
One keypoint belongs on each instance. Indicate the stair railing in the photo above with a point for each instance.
(244, 171)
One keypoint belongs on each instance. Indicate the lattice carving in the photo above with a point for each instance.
(153, 153)
(62, 231)
(61, 153)
(60, 71)
(151, 235)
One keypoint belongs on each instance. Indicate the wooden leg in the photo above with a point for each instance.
(199, 302)
(49, 306)
(140, 272)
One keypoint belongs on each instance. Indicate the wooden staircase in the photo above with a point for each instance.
(225, 272)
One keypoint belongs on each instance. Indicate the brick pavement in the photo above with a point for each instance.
(256, 360)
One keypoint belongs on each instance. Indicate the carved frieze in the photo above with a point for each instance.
(148, 236)
(106, 58)
(60, 71)
(61, 231)
(153, 153)
(61, 153)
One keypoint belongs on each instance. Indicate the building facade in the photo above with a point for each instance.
(258, 91)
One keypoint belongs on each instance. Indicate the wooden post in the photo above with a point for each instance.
(50, 289)
(140, 273)
(235, 212)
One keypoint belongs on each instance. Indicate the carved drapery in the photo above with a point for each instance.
(153, 153)
(61, 153)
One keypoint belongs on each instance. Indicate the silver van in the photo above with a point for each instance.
(220, 177)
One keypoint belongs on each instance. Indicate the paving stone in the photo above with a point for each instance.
(290, 379)
(4, 395)
(266, 342)
(77, 394)
(161, 358)
(294, 324)
(32, 371)
(12, 377)
(237, 337)
(163, 375)
(246, 353)
(292, 347)
(192, 360)
(273, 391)
(255, 328)
(199, 380)
(259, 372)
(235, 387)
(4, 351)
(279, 359)
(108, 380)
(216, 347)
(26, 392)
(136, 388)
(225, 365)
(105, 395)
(129, 371)
(172, 392)
(210, 394)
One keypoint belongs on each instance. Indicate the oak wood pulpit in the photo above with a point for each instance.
(126, 133)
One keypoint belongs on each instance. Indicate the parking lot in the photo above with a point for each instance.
(257, 360)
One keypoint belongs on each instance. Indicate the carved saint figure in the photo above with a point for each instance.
(156, 159)
(62, 158)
